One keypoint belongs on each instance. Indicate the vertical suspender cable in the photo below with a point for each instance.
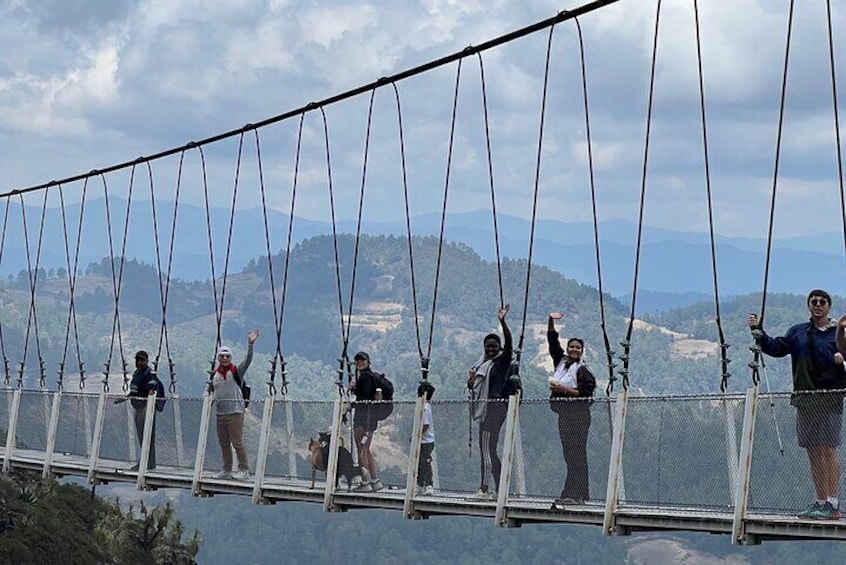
(6, 374)
(73, 268)
(32, 274)
(627, 343)
(836, 118)
(724, 360)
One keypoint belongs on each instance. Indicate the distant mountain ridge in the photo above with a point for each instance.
(671, 262)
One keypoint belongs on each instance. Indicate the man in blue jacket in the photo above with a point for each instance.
(816, 365)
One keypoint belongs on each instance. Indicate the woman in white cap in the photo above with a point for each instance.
(229, 406)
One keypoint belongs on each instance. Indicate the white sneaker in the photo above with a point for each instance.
(482, 495)
(241, 474)
(222, 475)
(418, 490)
(364, 487)
(429, 491)
(376, 485)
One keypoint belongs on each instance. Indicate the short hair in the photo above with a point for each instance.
(577, 340)
(142, 355)
(492, 336)
(818, 292)
(362, 355)
(425, 389)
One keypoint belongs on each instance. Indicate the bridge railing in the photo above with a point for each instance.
(677, 454)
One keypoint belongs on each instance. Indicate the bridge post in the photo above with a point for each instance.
(332, 464)
(51, 433)
(615, 465)
(202, 440)
(98, 437)
(511, 425)
(177, 429)
(741, 501)
(731, 448)
(264, 440)
(413, 458)
(147, 440)
(289, 437)
(12, 431)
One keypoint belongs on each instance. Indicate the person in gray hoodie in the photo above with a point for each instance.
(230, 406)
(487, 381)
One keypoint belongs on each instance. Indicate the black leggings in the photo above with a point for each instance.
(573, 426)
(489, 429)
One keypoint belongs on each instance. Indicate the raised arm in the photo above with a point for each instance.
(555, 349)
(508, 343)
(252, 336)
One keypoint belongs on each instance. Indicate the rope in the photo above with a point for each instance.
(541, 124)
(424, 361)
(491, 178)
(6, 372)
(627, 343)
(32, 275)
(836, 118)
(724, 360)
(116, 281)
(72, 272)
(163, 336)
(756, 348)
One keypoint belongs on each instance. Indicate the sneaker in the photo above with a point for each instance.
(429, 490)
(810, 511)
(222, 475)
(376, 485)
(241, 474)
(364, 487)
(419, 490)
(825, 511)
(482, 494)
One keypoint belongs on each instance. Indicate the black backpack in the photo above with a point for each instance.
(385, 408)
(245, 388)
(160, 395)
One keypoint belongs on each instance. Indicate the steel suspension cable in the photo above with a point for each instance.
(724, 360)
(116, 281)
(609, 353)
(627, 343)
(32, 275)
(757, 360)
(834, 98)
(424, 361)
(73, 267)
(541, 123)
(6, 373)
(163, 336)
(491, 178)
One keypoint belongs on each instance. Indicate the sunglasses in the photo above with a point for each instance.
(818, 302)
(224, 356)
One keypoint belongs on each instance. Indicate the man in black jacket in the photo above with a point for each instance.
(144, 381)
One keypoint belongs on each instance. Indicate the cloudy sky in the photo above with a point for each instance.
(88, 83)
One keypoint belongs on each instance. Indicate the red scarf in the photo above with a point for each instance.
(223, 370)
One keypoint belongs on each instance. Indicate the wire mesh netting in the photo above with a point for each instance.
(77, 418)
(119, 443)
(682, 451)
(797, 439)
(292, 426)
(250, 434)
(33, 420)
(177, 432)
(563, 449)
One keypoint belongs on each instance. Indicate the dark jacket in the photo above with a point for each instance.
(365, 385)
(811, 355)
(142, 383)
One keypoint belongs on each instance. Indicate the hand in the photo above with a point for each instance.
(752, 320)
(838, 358)
(471, 376)
(502, 312)
(252, 336)
(120, 400)
(556, 315)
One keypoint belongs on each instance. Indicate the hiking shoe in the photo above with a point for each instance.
(482, 494)
(363, 487)
(241, 474)
(376, 485)
(419, 489)
(809, 512)
(429, 491)
(825, 511)
(222, 475)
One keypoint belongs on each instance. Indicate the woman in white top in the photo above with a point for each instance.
(571, 388)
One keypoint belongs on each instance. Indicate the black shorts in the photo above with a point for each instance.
(364, 417)
(818, 428)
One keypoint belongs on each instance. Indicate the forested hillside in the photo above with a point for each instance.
(672, 352)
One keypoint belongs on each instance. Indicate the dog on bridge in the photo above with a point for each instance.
(319, 449)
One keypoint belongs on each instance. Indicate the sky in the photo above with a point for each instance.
(86, 84)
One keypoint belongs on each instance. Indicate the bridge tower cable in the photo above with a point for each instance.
(117, 279)
(32, 277)
(627, 342)
(164, 340)
(723, 345)
(836, 112)
(6, 373)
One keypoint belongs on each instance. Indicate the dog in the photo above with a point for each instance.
(319, 449)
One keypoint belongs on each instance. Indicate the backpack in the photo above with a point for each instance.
(246, 391)
(160, 396)
(382, 410)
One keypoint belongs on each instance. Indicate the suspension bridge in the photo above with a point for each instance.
(726, 463)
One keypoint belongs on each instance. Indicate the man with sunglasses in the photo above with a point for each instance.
(817, 365)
